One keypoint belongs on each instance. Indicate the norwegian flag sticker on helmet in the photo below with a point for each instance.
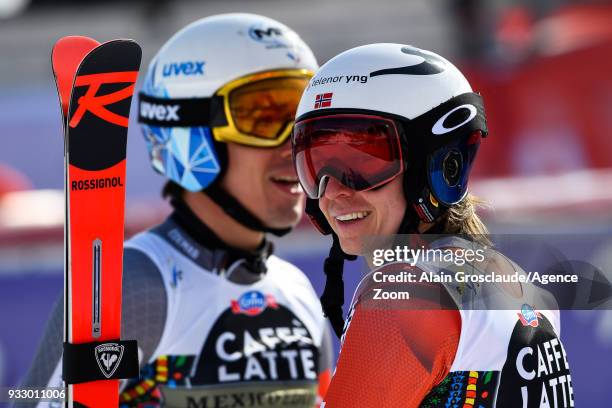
(323, 100)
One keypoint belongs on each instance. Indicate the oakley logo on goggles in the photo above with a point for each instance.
(256, 110)
(360, 151)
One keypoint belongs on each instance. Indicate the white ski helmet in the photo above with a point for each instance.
(183, 108)
(208, 53)
(393, 78)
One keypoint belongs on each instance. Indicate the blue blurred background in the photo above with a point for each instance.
(543, 66)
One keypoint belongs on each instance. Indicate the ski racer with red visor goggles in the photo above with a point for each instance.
(383, 144)
(364, 135)
(380, 115)
(378, 123)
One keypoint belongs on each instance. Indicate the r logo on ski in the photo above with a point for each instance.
(96, 103)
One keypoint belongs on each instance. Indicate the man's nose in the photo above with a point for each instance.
(334, 189)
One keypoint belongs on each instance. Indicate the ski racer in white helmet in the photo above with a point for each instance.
(384, 140)
(220, 320)
(231, 79)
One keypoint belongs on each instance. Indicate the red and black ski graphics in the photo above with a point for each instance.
(96, 123)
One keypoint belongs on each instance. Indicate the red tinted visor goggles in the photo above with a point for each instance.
(361, 151)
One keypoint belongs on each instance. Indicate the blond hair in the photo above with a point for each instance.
(462, 217)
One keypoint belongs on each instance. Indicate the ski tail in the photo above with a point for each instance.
(67, 54)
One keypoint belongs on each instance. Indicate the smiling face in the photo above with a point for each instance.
(264, 181)
(355, 215)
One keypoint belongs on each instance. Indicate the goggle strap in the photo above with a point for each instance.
(332, 299)
(181, 112)
(425, 124)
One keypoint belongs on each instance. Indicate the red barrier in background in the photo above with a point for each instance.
(549, 115)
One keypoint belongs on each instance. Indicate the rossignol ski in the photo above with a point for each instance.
(95, 83)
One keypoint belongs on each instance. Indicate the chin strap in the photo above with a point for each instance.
(237, 211)
(332, 299)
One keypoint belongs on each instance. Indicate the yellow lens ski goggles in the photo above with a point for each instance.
(254, 110)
